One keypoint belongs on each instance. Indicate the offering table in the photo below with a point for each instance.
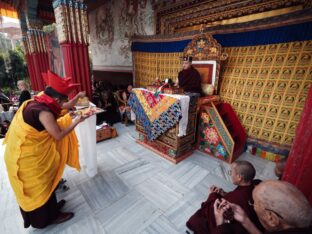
(166, 123)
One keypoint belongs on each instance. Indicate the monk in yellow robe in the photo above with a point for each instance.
(38, 145)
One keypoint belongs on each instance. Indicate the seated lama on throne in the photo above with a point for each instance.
(189, 78)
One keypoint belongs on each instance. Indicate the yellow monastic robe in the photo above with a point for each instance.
(35, 161)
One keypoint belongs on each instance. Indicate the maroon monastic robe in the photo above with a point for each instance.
(203, 221)
(227, 229)
(189, 80)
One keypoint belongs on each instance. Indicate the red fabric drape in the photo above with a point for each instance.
(76, 63)
(298, 169)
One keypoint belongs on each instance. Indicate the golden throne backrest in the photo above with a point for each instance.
(207, 55)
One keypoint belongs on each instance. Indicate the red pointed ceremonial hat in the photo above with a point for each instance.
(62, 85)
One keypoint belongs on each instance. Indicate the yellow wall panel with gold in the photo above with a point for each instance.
(267, 86)
(149, 66)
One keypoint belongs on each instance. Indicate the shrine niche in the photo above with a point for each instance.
(207, 56)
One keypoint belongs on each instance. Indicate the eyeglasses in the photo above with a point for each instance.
(253, 205)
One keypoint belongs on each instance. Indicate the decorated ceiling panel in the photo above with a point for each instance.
(184, 16)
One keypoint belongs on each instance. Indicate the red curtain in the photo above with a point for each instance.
(76, 63)
(298, 169)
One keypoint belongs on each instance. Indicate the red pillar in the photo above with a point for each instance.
(31, 72)
(39, 66)
(76, 65)
(298, 169)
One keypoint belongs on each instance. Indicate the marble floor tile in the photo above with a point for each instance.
(135, 191)
(160, 225)
(114, 158)
(212, 179)
(154, 159)
(188, 174)
(181, 211)
(86, 225)
(75, 203)
(8, 204)
(268, 173)
(101, 191)
(130, 214)
(160, 192)
(134, 148)
(13, 224)
(74, 177)
(109, 144)
(204, 160)
(136, 171)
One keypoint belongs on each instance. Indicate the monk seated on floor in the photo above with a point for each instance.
(280, 207)
(242, 175)
(279, 168)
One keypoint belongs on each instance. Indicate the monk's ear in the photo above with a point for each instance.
(272, 219)
(240, 178)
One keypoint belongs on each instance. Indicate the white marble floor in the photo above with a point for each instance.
(135, 191)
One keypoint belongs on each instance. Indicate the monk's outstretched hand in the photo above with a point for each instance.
(218, 212)
(80, 118)
(215, 189)
(240, 216)
(239, 213)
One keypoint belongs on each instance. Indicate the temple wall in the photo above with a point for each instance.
(111, 27)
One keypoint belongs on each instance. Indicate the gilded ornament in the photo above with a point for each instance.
(296, 46)
(269, 123)
(280, 126)
(288, 140)
(285, 113)
(272, 48)
(297, 114)
(262, 110)
(259, 121)
(277, 137)
(292, 128)
(265, 134)
(273, 111)
(252, 107)
(305, 59)
(283, 48)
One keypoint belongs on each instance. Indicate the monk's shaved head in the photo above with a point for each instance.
(245, 169)
(284, 199)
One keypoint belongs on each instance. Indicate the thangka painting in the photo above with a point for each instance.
(56, 62)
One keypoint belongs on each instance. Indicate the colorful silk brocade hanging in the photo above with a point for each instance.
(157, 114)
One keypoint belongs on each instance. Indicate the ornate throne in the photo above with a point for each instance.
(207, 57)
(220, 133)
